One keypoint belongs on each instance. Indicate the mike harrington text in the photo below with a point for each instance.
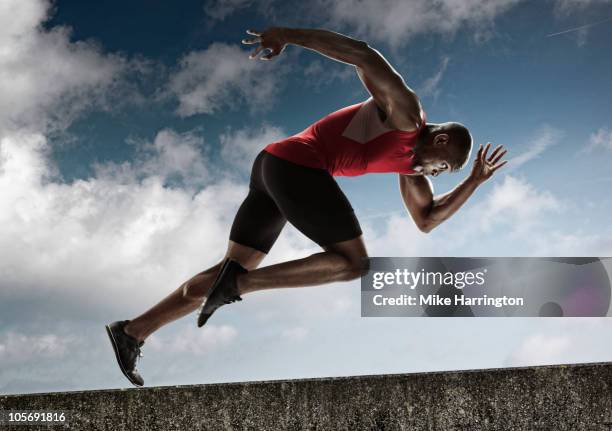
(437, 300)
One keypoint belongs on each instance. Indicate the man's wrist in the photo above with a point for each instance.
(291, 35)
(474, 181)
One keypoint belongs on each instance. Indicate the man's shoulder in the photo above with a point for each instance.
(406, 111)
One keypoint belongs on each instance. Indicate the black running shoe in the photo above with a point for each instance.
(223, 291)
(127, 351)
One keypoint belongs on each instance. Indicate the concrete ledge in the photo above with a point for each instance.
(571, 397)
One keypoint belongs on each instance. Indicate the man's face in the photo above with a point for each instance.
(435, 167)
(433, 160)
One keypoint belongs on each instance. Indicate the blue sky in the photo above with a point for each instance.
(126, 136)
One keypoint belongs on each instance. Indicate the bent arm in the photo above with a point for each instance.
(382, 81)
(427, 210)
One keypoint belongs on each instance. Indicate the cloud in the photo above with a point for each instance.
(544, 138)
(220, 9)
(173, 158)
(295, 334)
(541, 350)
(320, 74)
(194, 340)
(239, 147)
(601, 139)
(570, 6)
(45, 79)
(580, 33)
(223, 77)
(90, 240)
(517, 203)
(396, 21)
(18, 347)
(562, 341)
(431, 86)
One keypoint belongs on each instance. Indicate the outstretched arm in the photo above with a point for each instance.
(386, 86)
(427, 210)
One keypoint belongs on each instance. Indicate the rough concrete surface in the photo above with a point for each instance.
(566, 397)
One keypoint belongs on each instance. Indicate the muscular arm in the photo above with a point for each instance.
(382, 81)
(427, 210)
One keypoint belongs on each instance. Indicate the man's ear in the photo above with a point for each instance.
(440, 139)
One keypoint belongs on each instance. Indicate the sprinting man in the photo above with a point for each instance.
(293, 180)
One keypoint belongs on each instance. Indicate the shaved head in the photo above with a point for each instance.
(443, 147)
(459, 144)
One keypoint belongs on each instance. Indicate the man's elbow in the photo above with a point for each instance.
(364, 53)
(425, 225)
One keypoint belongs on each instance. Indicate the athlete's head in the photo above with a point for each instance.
(443, 147)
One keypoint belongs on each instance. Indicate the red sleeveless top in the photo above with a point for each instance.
(322, 145)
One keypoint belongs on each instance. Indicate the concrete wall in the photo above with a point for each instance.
(576, 397)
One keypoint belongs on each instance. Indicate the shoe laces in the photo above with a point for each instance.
(139, 352)
(232, 299)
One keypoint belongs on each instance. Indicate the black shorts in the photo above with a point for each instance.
(309, 198)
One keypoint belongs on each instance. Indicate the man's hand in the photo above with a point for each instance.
(271, 39)
(484, 167)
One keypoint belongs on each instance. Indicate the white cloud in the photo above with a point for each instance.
(396, 21)
(295, 334)
(601, 139)
(221, 9)
(562, 341)
(193, 340)
(18, 347)
(239, 147)
(321, 73)
(542, 350)
(517, 203)
(431, 86)
(570, 6)
(45, 79)
(107, 231)
(174, 158)
(546, 137)
(223, 77)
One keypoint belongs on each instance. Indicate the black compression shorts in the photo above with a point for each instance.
(309, 198)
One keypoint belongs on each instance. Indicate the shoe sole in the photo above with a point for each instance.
(201, 320)
(116, 350)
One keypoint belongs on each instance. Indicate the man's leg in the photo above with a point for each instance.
(341, 261)
(188, 297)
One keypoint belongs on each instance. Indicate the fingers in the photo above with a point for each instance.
(479, 154)
(498, 158)
(494, 168)
(484, 153)
(251, 41)
(271, 54)
(253, 32)
(255, 52)
(497, 149)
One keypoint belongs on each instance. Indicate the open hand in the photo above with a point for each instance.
(271, 39)
(484, 167)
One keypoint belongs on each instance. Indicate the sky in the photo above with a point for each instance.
(127, 130)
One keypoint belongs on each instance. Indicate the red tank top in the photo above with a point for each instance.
(322, 145)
